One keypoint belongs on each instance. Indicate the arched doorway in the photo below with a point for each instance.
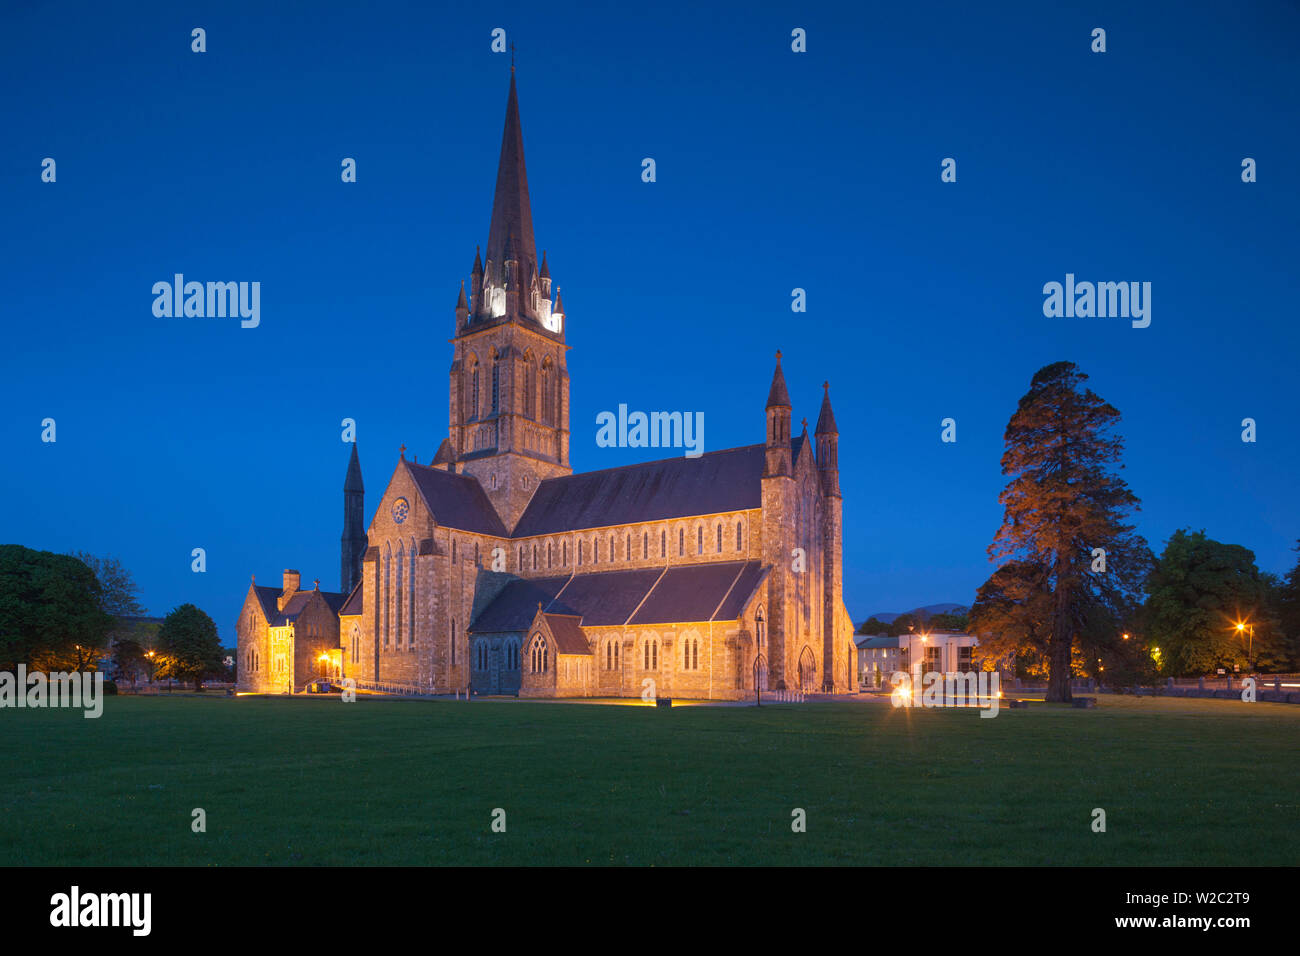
(807, 670)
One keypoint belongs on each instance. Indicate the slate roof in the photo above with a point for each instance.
(690, 592)
(606, 598)
(516, 606)
(715, 482)
(356, 601)
(268, 597)
(867, 642)
(678, 595)
(568, 634)
(457, 501)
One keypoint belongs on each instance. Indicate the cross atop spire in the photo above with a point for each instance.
(512, 217)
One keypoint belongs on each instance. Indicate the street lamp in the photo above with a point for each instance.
(1248, 627)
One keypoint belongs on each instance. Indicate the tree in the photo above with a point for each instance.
(1200, 590)
(949, 621)
(50, 615)
(873, 626)
(1065, 513)
(130, 660)
(188, 646)
(119, 595)
(1012, 615)
(1286, 601)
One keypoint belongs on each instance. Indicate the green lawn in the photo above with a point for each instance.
(413, 782)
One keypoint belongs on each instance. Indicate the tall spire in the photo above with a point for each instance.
(778, 396)
(826, 420)
(353, 480)
(512, 217)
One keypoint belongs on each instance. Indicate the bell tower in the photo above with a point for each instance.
(509, 397)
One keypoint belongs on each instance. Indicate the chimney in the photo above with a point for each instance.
(292, 579)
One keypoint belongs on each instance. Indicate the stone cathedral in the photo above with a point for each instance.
(495, 567)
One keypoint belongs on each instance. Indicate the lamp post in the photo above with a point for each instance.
(1249, 628)
(149, 655)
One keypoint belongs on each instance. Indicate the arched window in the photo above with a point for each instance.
(691, 654)
(534, 557)
(719, 536)
(539, 654)
(356, 643)
(410, 587)
(761, 626)
(397, 597)
(564, 548)
(738, 546)
(627, 548)
(549, 551)
(650, 655)
(645, 545)
(548, 400)
(579, 552)
(530, 387)
(681, 542)
(611, 654)
(663, 544)
(595, 550)
(453, 550)
(611, 549)
(474, 406)
(453, 642)
(496, 385)
(699, 539)
(388, 593)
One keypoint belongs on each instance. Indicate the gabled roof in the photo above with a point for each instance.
(268, 597)
(456, 501)
(568, 635)
(715, 482)
(683, 594)
(355, 603)
(516, 606)
(691, 592)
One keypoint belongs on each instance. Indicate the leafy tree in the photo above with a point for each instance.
(188, 646)
(119, 595)
(50, 615)
(873, 626)
(949, 621)
(1200, 590)
(130, 660)
(1286, 603)
(1064, 501)
(1012, 615)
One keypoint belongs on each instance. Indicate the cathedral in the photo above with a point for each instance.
(494, 568)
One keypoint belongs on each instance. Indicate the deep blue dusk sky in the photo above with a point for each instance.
(776, 170)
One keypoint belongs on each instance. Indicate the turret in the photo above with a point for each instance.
(828, 446)
(778, 425)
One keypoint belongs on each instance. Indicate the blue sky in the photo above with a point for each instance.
(775, 170)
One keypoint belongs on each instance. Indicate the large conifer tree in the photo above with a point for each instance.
(1063, 502)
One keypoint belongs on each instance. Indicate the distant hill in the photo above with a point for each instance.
(924, 613)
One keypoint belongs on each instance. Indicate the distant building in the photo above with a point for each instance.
(943, 652)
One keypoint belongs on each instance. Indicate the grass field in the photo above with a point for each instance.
(300, 782)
